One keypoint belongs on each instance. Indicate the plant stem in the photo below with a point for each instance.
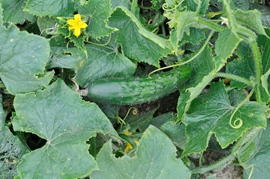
(134, 5)
(234, 77)
(218, 165)
(210, 24)
(258, 67)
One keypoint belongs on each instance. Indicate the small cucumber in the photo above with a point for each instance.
(138, 90)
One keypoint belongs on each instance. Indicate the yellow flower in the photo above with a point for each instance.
(129, 146)
(127, 133)
(76, 24)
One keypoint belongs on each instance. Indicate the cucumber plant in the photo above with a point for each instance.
(218, 53)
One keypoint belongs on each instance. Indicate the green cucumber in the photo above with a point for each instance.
(138, 90)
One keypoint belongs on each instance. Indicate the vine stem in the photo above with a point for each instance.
(189, 60)
(234, 77)
(134, 5)
(219, 164)
(258, 67)
(211, 25)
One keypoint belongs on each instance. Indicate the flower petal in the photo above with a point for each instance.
(77, 32)
(77, 17)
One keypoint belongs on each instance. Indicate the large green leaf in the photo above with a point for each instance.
(233, 20)
(50, 7)
(265, 11)
(205, 68)
(187, 19)
(23, 58)
(244, 66)
(123, 3)
(155, 158)
(103, 62)
(58, 115)
(11, 150)
(13, 11)
(250, 19)
(210, 114)
(193, 5)
(258, 166)
(98, 11)
(224, 47)
(175, 131)
(137, 43)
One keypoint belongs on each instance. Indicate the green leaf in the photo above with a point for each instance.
(250, 19)
(243, 67)
(23, 60)
(233, 24)
(241, 4)
(264, 45)
(61, 57)
(59, 115)
(11, 150)
(206, 67)
(225, 46)
(187, 19)
(195, 36)
(50, 7)
(203, 67)
(98, 12)
(157, 4)
(265, 11)
(155, 158)
(158, 121)
(193, 5)
(47, 25)
(237, 96)
(13, 11)
(118, 3)
(258, 165)
(210, 114)
(139, 123)
(103, 61)
(136, 42)
(264, 79)
(175, 131)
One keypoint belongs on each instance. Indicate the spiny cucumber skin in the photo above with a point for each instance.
(128, 91)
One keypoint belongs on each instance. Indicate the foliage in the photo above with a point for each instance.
(52, 51)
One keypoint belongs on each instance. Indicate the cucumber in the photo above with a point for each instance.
(127, 91)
